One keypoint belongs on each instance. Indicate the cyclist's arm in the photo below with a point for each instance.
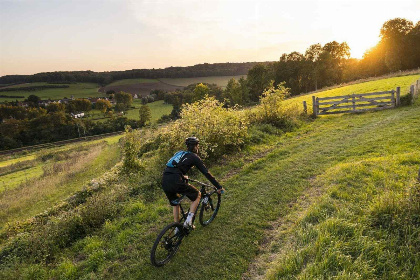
(203, 169)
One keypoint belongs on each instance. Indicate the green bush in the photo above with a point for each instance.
(272, 111)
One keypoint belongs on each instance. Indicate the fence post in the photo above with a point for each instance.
(354, 102)
(395, 100)
(305, 108)
(412, 93)
(398, 95)
(314, 106)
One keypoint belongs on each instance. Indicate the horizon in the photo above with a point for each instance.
(52, 36)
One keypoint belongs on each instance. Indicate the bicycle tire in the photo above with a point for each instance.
(210, 208)
(167, 241)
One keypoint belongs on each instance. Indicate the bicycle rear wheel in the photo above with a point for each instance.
(166, 244)
(209, 208)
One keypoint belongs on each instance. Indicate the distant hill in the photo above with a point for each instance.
(104, 78)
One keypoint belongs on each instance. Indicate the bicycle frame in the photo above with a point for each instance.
(203, 196)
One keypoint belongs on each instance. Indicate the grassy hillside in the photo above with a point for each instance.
(335, 198)
(32, 183)
(78, 90)
(218, 80)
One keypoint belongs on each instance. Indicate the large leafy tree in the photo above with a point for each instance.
(124, 98)
(259, 78)
(103, 105)
(145, 115)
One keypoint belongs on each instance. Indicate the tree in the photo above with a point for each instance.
(33, 100)
(145, 115)
(200, 91)
(80, 105)
(103, 105)
(258, 80)
(233, 93)
(55, 107)
(124, 98)
(119, 107)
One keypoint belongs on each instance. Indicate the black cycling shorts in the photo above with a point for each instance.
(173, 184)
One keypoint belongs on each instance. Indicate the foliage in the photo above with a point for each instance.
(145, 115)
(123, 98)
(132, 144)
(233, 93)
(272, 111)
(79, 105)
(55, 107)
(200, 91)
(103, 105)
(258, 80)
(219, 129)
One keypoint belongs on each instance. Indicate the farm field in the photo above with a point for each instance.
(79, 90)
(221, 81)
(141, 87)
(132, 82)
(333, 198)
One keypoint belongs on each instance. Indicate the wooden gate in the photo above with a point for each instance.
(356, 103)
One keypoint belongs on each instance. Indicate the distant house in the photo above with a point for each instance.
(78, 116)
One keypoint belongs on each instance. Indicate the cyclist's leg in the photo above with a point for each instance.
(176, 213)
(194, 204)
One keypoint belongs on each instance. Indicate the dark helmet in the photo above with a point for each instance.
(191, 141)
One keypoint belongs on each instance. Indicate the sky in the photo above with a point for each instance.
(55, 35)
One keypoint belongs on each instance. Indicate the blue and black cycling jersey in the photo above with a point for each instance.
(186, 163)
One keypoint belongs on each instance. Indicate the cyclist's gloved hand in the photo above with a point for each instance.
(221, 190)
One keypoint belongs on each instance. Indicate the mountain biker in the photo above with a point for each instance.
(174, 182)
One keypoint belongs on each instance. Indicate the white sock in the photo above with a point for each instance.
(189, 219)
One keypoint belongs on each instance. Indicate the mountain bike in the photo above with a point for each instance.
(170, 238)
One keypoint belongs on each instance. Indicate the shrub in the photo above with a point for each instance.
(132, 146)
(219, 129)
(271, 110)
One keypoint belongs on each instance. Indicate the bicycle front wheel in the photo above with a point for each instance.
(209, 208)
(166, 244)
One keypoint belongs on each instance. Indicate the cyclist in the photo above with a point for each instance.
(174, 182)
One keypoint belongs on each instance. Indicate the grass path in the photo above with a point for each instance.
(261, 194)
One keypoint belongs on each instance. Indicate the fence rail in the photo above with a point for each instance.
(361, 102)
(355, 103)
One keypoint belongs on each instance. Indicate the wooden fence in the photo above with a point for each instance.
(363, 102)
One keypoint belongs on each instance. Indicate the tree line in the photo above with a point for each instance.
(330, 64)
(104, 78)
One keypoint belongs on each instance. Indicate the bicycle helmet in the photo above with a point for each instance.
(191, 141)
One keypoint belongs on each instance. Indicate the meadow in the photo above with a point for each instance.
(78, 90)
(336, 197)
(221, 81)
